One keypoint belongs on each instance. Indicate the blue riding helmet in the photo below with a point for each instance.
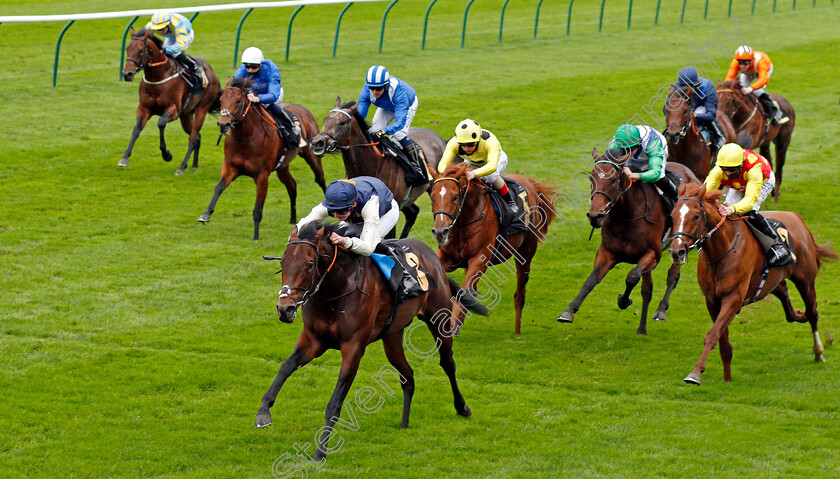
(377, 75)
(688, 76)
(340, 194)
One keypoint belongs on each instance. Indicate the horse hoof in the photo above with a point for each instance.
(167, 156)
(466, 412)
(205, 218)
(692, 378)
(179, 172)
(623, 302)
(123, 162)
(566, 317)
(641, 332)
(263, 420)
(659, 316)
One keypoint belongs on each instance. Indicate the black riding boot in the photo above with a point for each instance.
(776, 114)
(718, 138)
(778, 253)
(291, 135)
(512, 204)
(415, 154)
(196, 70)
(669, 190)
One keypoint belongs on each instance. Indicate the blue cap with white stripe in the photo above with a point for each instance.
(377, 75)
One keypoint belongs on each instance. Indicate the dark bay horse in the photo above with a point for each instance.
(633, 221)
(685, 142)
(730, 268)
(254, 148)
(345, 302)
(345, 130)
(751, 127)
(466, 230)
(164, 93)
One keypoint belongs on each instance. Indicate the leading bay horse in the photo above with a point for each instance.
(731, 264)
(751, 127)
(254, 148)
(345, 302)
(164, 93)
(466, 230)
(346, 130)
(685, 142)
(633, 221)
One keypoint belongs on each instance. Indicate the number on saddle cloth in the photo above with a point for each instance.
(511, 223)
(402, 269)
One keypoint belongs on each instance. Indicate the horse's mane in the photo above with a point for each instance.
(692, 190)
(310, 230)
(361, 121)
(456, 170)
(241, 83)
(616, 155)
(734, 85)
(157, 41)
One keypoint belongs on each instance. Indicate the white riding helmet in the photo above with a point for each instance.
(252, 56)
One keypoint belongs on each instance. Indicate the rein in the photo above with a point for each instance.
(612, 202)
(462, 195)
(738, 107)
(308, 291)
(332, 145)
(146, 63)
(700, 239)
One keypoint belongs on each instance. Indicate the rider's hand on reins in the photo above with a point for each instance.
(725, 210)
(630, 174)
(254, 98)
(470, 175)
(339, 240)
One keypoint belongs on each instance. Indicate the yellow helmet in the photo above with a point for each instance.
(161, 19)
(730, 156)
(468, 131)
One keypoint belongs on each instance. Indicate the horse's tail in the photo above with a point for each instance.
(545, 194)
(466, 298)
(826, 253)
(216, 107)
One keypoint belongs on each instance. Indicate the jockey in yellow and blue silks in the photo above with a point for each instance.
(748, 179)
(483, 152)
(396, 104)
(648, 157)
(702, 97)
(267, 89)
(178, 35)
(363, 200)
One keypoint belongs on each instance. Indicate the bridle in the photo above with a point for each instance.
(333, 144)
(737, 106)
(145, 62)
(690, 123)
(610, 200)
(462, 194)
(699, 237)
(308, 291)
(237, 118)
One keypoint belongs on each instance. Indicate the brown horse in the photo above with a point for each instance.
(751, 127)
(730, 268)
(466, 230)
(254, 148)
(685, 142)
(345, 130)
(346, 302)
(164, 93)
(633, 221)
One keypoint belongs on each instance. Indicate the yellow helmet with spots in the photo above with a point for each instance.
(468, 131)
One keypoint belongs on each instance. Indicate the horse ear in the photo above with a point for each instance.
(319, 235)
(703, 190)
(337, 101)
(131, 31)
(595, 154)
(681, 189)
(227, 83)
(353, 108)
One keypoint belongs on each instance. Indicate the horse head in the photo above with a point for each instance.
(678, 114)
(690, 219)
(302, 275)
(234, 103)
(730, 97)
(609, 183)
(144, 50)
(337, 124)
(448, 193)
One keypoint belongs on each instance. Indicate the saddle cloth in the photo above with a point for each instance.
(416, 173)
(401, 268)
(510, 223)
(767, 243)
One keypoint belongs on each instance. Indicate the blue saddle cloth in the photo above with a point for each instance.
(401, 268)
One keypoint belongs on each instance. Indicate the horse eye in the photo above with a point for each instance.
(309, 267)
(696, 217)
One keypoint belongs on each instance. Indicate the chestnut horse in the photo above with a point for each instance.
(346, 303)
(164, 93)
(730, 268)
(345, 130)
(751, 127)
(466, 230)
(633, 221)
(685, 142)
(254, 148)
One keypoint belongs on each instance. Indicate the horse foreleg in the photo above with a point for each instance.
(725, 314)
(189, 127)
(476, 267)
(262, 189)
(351, 355)
(411, 211)
(286, 178)
(781, 143)
(314, 163)
(142, 118)
(673, 279)
(228, 175)
(168, 116)
(809, 296)
(604, 262)
(306, 350)
(647, 293)
(523, 273)
(447, 362)
(396, 356)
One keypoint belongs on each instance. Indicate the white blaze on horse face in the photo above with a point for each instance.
(442, 192)
(683, 212)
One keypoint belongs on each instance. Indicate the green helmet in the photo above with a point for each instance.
(626, 136)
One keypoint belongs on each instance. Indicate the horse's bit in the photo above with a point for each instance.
(462, 194)
(610, 201)
(308, 291)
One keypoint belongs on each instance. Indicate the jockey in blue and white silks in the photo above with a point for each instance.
(178, 35)
(396, 105)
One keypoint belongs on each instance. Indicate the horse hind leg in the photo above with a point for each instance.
(443, 338)
(673, 279)
(781, 145)
(395, 353)
(411, 211)
(162, 121)
(809, 295)
(647, 294)
(315, 164)
(791, 315)
(289, 182)
(193, 143)
(523, 274)
(135, 133)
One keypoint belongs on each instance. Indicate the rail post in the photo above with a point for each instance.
(289, 30)
(464, 30)
(426, 24)
(382, 34)
(58, 47)
(238, 32)
(122, 52)
(338, 26)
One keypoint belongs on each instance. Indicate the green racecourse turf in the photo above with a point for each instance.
(135, 342)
